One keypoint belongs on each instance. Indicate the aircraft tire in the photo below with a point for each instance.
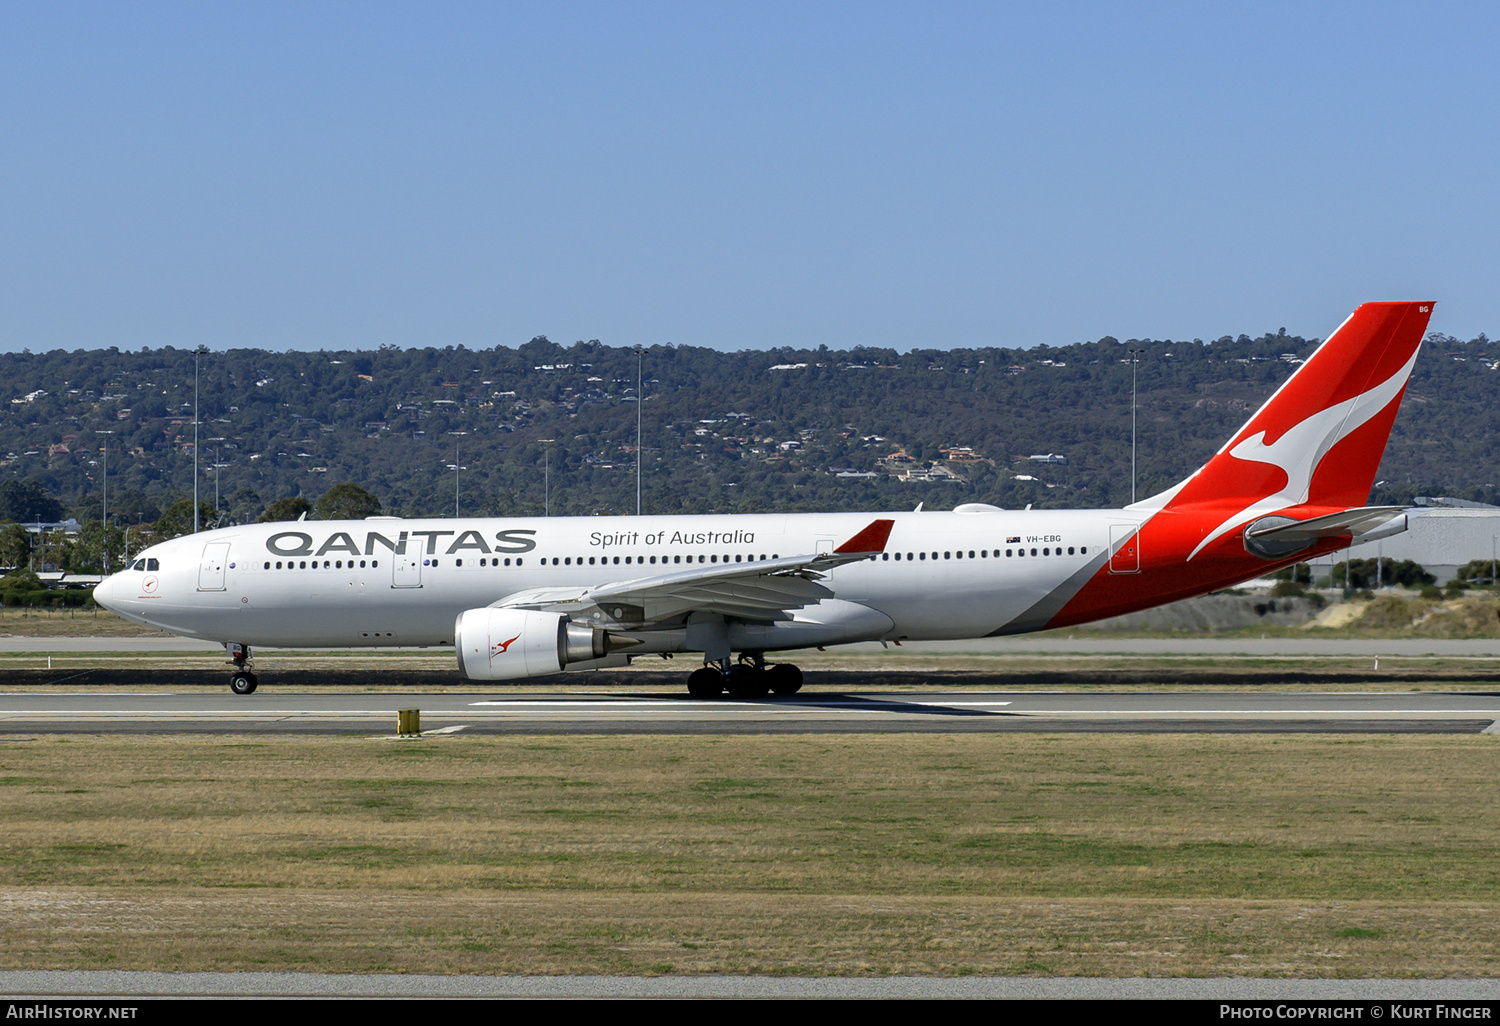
(243, 683)
(705, 682)
(784, 679)
(747, 682)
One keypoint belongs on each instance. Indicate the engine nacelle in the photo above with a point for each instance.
(503, 644)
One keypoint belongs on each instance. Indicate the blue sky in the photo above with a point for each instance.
(739, 175)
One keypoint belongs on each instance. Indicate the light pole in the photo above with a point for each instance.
(197, 354)
(639, 354)
(456, 469)
(1134, 358)
(105, 491)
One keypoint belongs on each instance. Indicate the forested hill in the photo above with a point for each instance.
(782, 429)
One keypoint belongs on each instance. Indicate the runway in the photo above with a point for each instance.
(1078, 643)
(575, 712)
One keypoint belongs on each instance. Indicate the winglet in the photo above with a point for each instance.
(871, 539)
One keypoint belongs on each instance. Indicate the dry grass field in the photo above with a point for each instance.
(952, 854)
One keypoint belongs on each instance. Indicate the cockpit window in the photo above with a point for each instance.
(152, 564)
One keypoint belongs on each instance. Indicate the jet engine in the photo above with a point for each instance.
(502, 644)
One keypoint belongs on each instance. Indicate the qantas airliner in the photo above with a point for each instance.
(527, 597)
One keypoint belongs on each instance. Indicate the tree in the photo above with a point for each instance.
(1478, 571)
(243, 505)
(178, 518)
(292, 508)
(15, 545)
(1363, 573)
(347, 501)
(27, 502)
(93, 540)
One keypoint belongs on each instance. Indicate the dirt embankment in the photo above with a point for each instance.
(1213, 614)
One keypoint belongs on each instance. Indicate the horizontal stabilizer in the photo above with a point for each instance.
(1276, 536)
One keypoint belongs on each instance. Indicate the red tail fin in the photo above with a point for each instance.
(1306, 457)
(1318, 441)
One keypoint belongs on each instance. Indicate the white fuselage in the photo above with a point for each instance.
(388, 582)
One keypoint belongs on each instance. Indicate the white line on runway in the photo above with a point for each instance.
(721, 702)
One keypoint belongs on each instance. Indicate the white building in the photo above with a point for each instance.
(1440, 538)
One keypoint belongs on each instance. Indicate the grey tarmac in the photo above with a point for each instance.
(37, 984)
(575, 712)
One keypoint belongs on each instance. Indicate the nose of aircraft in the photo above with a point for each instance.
(104, 592)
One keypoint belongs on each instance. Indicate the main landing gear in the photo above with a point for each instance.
(751, 678)
(242, 681)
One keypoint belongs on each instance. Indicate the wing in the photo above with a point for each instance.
(762, 591)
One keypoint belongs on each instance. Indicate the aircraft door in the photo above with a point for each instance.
(211, 570)
(1124, 549)
(406, 570)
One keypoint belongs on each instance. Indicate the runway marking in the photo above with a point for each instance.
(806, 703)
(542, 703)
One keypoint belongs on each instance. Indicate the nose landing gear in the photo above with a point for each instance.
(243, 680)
